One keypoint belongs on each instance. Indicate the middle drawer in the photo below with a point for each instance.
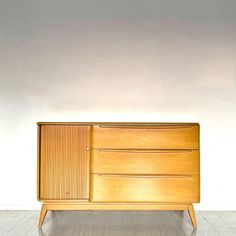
(145, 161)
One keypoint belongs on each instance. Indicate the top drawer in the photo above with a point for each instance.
(146, 136)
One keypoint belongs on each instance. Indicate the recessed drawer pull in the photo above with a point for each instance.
(164, 151)
(145, 127)
(145, 176)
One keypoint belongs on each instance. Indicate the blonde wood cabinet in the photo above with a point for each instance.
(118, 166)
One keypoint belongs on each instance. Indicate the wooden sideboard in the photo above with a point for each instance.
(118, 166)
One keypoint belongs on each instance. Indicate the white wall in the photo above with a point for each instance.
(111, 60)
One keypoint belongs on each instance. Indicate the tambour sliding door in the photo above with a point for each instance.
(64, 162)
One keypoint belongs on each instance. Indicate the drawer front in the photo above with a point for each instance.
(152, 137)
(128, 188)
(145, 162)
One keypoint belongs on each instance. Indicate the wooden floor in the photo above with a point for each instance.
(108, 223)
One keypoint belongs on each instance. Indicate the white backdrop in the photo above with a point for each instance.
(111, 60)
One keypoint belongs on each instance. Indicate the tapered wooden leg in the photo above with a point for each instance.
(192, 215)
(42, 215)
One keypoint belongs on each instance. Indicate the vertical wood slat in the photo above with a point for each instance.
(64, 162)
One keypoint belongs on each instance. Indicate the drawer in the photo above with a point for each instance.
(146, 136)
(145, 161)
(134, 188)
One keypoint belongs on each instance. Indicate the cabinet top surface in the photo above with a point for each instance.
(117, 123)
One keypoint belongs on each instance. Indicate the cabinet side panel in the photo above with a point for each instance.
(64, 162)
(38, 160)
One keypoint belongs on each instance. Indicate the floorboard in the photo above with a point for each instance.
(115, 223)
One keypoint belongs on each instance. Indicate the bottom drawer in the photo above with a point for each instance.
(136, 188)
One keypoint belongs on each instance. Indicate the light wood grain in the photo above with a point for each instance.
(38, 159)
(42, 215)
(134, 166)
(120, 123)
(131, 188)
(145, 161)
(192, 215)
(115, 206)
(64, 162)
(148, 137)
